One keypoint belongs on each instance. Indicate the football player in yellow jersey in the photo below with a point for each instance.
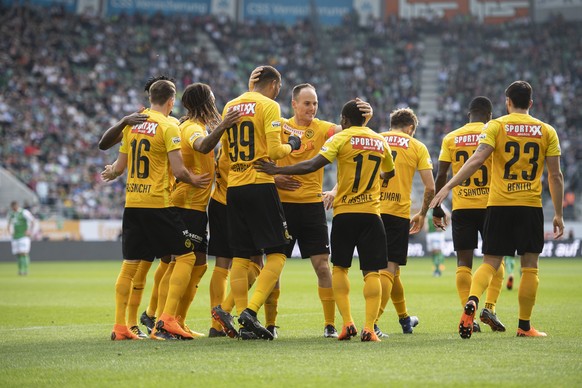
(519, 145)
(361, 154)
(410, 155)
(149, 150)
(255, 215)
(469, 206)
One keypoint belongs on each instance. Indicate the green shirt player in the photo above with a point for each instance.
(21, 224)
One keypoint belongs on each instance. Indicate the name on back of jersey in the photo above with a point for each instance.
(367, 144)
(523, 130)
(246, 108)
(397, 141)
(147, 128)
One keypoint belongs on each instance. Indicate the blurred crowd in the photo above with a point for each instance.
(66, 78)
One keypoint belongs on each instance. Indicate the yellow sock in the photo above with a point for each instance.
(218, 283)
(139, 281)
(267, 279)
(179, 282)
(158, 275)
(252, 273)
(239, 284)
(528, 289)
(186, 300)
(372, 295)
(397, 296)
(386, 282)
(494, 288)
(341, 292)
(163, 288)
(123, 290)
(481, 279)
(328, 303)
(463, 277)
(271, 307)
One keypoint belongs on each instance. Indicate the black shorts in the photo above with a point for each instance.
(256, 220)
(307, 225)
(467, 225)
(397, 232)
(218, 244)
(513, 228)
(150, 233)
(361, 230)
(196, 222)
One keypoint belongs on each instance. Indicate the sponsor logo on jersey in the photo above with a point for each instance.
(147, 128)
(397, 141)
(367, 143)
(523, 130)
(246, 108)
(176, 140)
(471, 139)
(289, 130)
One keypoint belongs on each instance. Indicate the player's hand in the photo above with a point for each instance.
(109, 174)
(201, 181)
(328, 197)
(287, 182)
(416, 223)
(231, 118)
(254, 77)
(135, 118)
(558, 227)
(439, 197)
(268, 167)
(365, 108)
(294, 142)
(440, 222)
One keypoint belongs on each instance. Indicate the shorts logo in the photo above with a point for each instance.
(188, 243)
(246, 108)
(147, 128)
(523, 130)
(367, 143)
(467, 140)
(397, 141)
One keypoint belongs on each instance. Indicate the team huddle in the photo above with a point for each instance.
(263, 192)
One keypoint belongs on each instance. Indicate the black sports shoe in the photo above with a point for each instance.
(330, 332)
(226, 320)
(488, 317)
(245, 334)
(273, 330)
(379, 332)
(162, 335)
(135, 330)
(147, 321)
(408, 324)
(476, 327)
(251, 323)
(213, 333)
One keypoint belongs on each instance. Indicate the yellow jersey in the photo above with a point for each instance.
(147, 146)
(361, 155)
(185, 195)
(221, 168)
(409, 155)
(456, 148)
(521, 144)
(312, 139)
(247, 140)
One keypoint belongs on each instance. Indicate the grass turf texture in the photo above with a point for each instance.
(56, 324)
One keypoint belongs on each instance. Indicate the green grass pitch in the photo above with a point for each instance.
(55, 326)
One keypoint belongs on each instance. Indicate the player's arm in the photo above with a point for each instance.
(113, 171)
(439, 218)
(387, 166)
(278, 150)
(114, 134)
(473, 163)
(32, 222)
(207, 143)
(417, 221)
(301, 168)
(183, 175)
(556, 183)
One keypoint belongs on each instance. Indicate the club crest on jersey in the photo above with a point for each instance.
(366, 143)
(397, 141)
(147, 128)
(523, 130)
(246, 108)
(467, 140)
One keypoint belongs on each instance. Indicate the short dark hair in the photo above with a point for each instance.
(403, 117)
(268, 74)
(162, 91)
(351, 112)
(298, 88)
(160, 77)
(519, 92)
(481, 105)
